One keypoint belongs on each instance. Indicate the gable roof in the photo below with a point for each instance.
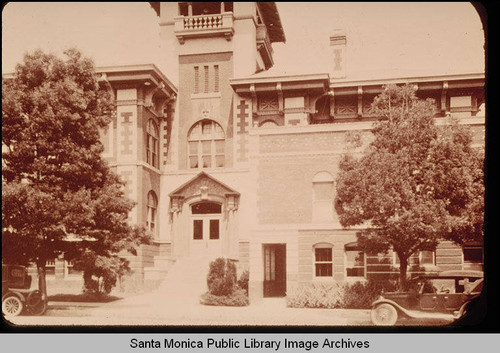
(188, 189)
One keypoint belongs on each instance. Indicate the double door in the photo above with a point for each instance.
(206, 235)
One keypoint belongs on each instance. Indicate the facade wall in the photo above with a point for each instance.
(272, 170)
(309, 238)
(192, 104)
(285, 193)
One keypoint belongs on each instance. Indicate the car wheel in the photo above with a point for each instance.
(35, 303)
(12, 306)
(384, 315)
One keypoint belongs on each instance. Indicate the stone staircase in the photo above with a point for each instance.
(185, 281)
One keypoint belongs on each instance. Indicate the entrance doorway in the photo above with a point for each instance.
(206, 220)
(274, 270)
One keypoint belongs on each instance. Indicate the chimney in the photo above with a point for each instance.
(338, 43)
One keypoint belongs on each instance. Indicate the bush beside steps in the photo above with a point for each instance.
(223, 287)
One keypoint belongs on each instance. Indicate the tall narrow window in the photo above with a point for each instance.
(152, 205)
(152, 144)
(205, 90)
(323, 260)
(322, 197)
(355, 260)
(216, 78)
(206, 145)
(196, 79)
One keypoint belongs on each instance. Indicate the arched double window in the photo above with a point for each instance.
(151, 207)
(152, 145)
(206, 145)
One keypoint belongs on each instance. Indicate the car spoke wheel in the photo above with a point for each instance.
(384, 315)
(36, 305)
(12, 306)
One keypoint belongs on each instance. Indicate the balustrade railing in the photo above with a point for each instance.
(203, 22)
(205, 25)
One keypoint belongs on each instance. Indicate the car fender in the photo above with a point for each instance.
(398, 307)
(14, 293)
(415, 314)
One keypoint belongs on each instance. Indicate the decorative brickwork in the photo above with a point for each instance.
(326, 141)
(165, 143)
(242, 125)
(126, 142)
(268, 103)
(337, 58)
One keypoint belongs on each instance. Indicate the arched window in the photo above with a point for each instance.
(323, 194)
(322, 114)
(206, 145)
(152, 144)
(151, 207)
(323, 260)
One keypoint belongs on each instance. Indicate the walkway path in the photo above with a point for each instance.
(176, 302)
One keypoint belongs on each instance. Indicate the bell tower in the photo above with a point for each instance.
(205, 44)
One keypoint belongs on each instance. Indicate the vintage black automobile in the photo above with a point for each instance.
(443, 296)
(17, 295)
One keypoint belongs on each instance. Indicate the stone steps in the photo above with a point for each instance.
(185, 281)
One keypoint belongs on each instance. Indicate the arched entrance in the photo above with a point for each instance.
(204, 218)
(206, 232)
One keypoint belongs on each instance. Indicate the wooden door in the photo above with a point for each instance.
(274, 270)
(205, 235)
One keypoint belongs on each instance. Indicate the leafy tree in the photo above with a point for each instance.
(58, 194)
(416, 183)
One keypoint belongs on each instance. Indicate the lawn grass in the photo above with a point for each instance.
(82, 298)
(72, 291)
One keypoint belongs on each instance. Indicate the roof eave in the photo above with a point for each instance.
(272, 20)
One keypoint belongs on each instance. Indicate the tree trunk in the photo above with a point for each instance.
(403, 267)
(42, 282)
(42, 286)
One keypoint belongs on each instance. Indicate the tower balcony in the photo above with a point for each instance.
(198, 26)
(264, 45)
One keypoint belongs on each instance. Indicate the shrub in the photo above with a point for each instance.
(316, 295)
(239, 297)
(243, 281)
(360, 295)
(221, 277)
(100, 273)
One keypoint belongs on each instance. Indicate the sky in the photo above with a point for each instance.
(383, 39)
